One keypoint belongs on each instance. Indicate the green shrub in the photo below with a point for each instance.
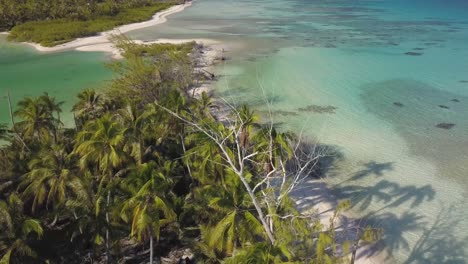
(57, 31)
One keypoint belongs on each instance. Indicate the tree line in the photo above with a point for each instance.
(149, 169)
(52, 22)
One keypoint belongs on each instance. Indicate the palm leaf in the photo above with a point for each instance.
(6, 258)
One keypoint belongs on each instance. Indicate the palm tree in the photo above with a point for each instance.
(4, 132)
(272, 146)
(248, 119)
(205, 158)
(235, 225)
(136, 123)
(148, 208)
(262, 253)
(203, 105)
(101, 143)
(37, 121)
(52, 106)
(17, 230)
(52, 179)
(88, 107)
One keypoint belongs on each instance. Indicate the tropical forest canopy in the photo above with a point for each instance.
(149, 169)
(51, 22)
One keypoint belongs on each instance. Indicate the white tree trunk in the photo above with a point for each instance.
(151, 248)
(108, 258)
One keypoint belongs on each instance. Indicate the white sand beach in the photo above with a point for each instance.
(315, 197)
(102, 42)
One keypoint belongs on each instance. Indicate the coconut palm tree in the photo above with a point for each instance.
(205, 158)
(232, 223)
(4, 131)
(100, 144)
(272, 146)
(52, 179)
(203, 105)
(52, 106)
(88, 107)
(262, 253)
(137, 124)
(17, 230)
(148, 208)
(37, 121)
(248, 120)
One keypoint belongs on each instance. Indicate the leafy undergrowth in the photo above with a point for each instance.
(54, 32)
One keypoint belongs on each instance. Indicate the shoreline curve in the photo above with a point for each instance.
(102, 41)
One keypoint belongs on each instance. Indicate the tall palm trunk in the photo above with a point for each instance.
(142, 153)
(108, 257)
(151, 247)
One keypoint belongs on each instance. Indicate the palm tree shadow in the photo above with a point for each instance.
(391, 194)
(310, 194)
(364, 196)
(394, 227)
(388, 194)
(438, 244)
(373, 168)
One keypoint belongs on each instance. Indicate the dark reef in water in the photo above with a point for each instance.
(319, 109)
(444, 107)
(286, 113)
(445, 125)
(398, 104)
(412, 53)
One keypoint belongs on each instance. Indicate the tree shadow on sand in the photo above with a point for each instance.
(373, 168)
(390, 193)
(438, 243)
(425, 239)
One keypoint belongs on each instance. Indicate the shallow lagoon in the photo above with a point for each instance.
(25, 72)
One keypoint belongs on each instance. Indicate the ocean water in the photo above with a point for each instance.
(25, 72)
(382, 84)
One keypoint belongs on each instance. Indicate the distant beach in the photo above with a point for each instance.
(102, 42)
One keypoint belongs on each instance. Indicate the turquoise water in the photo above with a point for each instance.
(371, 80)
(25, 72)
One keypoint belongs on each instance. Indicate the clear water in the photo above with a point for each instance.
(389, 72)
(25, 72)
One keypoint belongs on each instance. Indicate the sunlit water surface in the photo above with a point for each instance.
(25, 72)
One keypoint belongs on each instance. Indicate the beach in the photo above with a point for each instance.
(103, 41)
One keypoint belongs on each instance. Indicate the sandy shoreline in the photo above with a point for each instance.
(314, 196)
(102, 41)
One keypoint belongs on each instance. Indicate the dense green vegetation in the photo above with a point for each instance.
(52, 22)
(148, 166)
